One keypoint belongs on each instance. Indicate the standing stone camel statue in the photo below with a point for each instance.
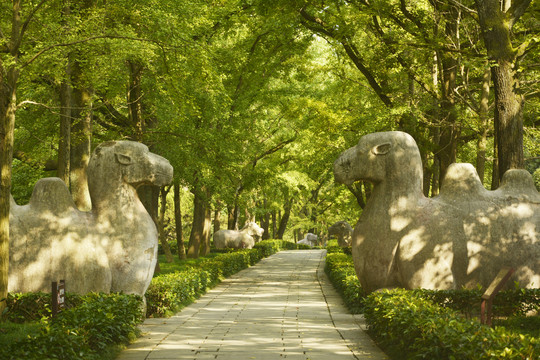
(111, 248)
(238, 239)
(461, 238)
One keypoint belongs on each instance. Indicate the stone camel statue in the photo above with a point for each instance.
(238, 239)
(461, 238)
(342, 231)
(111, 248)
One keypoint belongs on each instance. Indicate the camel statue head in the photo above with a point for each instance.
(377, 157)
(128, 162)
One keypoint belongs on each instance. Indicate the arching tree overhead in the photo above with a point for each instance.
(253, 100)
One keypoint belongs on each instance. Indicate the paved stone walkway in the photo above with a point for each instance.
(284, 307)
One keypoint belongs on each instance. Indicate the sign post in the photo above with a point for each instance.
(487, 299)
(58, 294)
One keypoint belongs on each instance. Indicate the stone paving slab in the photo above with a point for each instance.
(284, 307)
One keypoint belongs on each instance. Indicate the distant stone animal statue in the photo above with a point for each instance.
(462, 237)
(310, 239)
(238, 239)
(342, 231)
(111, 248)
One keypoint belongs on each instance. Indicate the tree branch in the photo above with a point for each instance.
(273, 150)
(44, 50)
(351, 51)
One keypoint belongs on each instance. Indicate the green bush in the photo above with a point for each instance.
(340, 270)
(515, 302)
(410, 326)
(87, 331)
(26, 307)
(333, 247)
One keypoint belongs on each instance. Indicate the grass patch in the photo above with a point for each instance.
(526, 325)
(13, 332)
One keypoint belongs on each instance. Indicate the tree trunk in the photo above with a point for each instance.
(508, 119)
(178, 222)
(450, 131)
(217, 222)
(496, 22)
(285, 218)
(197, 228)
(206, 231)
(64, 142)
(134, 97)
(266, 226)
(161, 225)
(230, 217)
(274, 224)
(8, 105)
(483, 118)
(80, 139)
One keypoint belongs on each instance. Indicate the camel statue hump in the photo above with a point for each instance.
(462, 181)
(520, 184)
(51, 194)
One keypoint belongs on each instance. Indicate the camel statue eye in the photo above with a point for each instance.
(123, 159)
(382, 149)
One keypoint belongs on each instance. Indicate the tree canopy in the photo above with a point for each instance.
(253, 100)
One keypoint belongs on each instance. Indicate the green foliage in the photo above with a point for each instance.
(515, 302)
(87, 331)
(340, 269)
(536, 177)
(529, 325)
(411, 326)
(25, 307)
(11, 333)
(333, 247)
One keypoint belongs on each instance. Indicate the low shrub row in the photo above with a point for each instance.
(514, 302)
(340, 270)
(410, 326)
(168, 293)
(86, 331)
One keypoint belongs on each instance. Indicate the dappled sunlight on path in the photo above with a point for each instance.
(282, 308)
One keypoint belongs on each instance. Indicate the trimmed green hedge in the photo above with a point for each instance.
(515, 302)
(25, 307)
(340, 270)
(84, 332)
(410, 326)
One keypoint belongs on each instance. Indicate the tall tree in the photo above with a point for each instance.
(497, 18)
(10, 67)
(178, 222)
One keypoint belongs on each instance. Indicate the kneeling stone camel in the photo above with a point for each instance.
(111, 248)
(460, 238)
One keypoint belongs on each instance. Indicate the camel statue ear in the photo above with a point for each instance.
(123, 159)
(382, 149)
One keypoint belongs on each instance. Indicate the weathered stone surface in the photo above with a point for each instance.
(238, 239)
(113, 247)
(463, 237)
(310, 239)
(342, 231)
